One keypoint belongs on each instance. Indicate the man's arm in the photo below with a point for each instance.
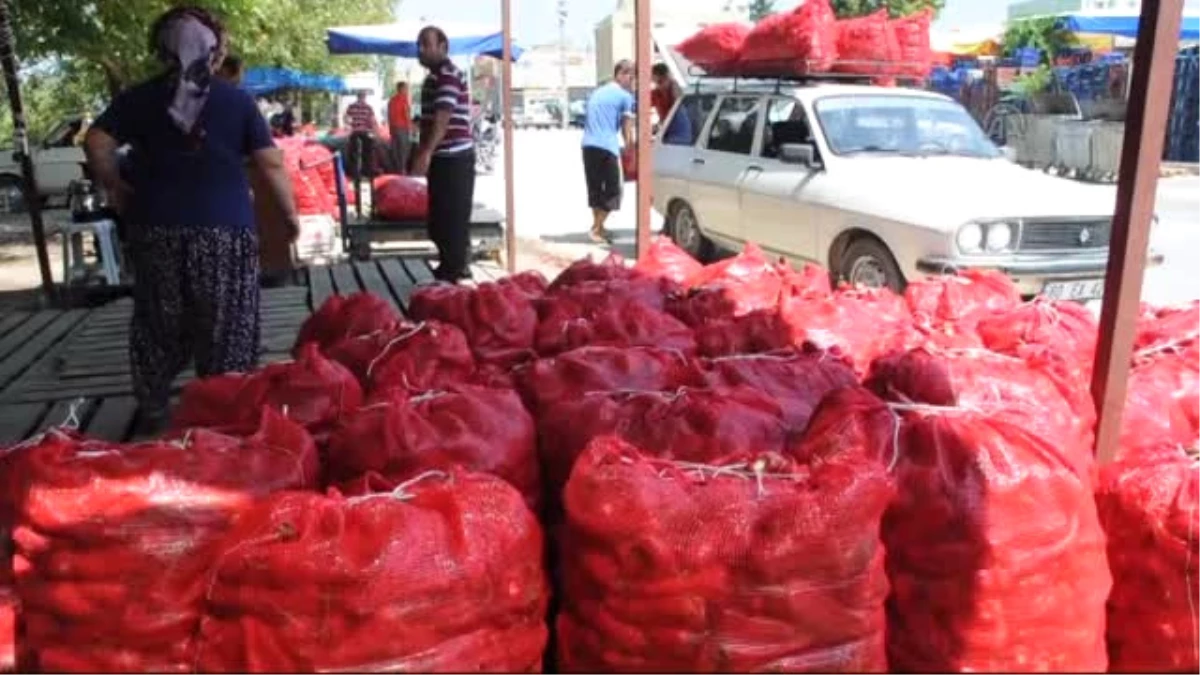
(437, 131)
(448, 92)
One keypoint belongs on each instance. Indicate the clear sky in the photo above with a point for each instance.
(536, 22)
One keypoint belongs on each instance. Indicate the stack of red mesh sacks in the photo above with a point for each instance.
(115, 543)
(440, 573)
(1148, 500)
(715, 48)
(995, 552)
(876, 45)
(750, 563)
(796, 42)
(9, 603)
(305, 163)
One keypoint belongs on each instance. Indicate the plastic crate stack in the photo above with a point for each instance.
(1183, 127)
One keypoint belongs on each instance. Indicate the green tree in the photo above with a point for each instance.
(760, 9)
(1045, 34)
(896, 8)
(111, 37)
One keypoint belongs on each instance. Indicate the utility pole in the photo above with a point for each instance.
(562, 64)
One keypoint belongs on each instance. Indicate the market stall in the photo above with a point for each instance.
(489, 228)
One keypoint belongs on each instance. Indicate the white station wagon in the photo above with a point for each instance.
(880, 185)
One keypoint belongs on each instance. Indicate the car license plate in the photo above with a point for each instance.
(1083, 289)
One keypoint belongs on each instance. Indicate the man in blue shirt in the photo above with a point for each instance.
(608, 122)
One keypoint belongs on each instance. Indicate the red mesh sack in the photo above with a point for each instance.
(756, 564)
(615, 322)
(400, 198)
(735, 286)
(715, 48)
(994, 549)
(810, 281)
(530, 282)
(308, 187)
(1148, 505)
(1162, 401)
(428, 356)
(665, 259)
(479, 428)
(443, 574)
(570, 375)
(695, 425)
(803, 40)
(866, 45)
(798, 381)
(1068, 328)
(9, 609)
(914, 53)
(1168, 327)
(859, 324)
(1025, 392)
(753, 333)
(346, 316)
(115, 543)
(312, 390)
(580, 298)
(585, 269)
(498, 320)
(962, 298)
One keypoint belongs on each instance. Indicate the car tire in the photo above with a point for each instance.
(12, 195)
(684, 229)
(868, 262)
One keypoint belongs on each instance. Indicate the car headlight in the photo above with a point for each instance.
(999, 237)
(970, 238)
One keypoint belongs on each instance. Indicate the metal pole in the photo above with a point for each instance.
(8, 62)
(510, 217)
(645, 180)
(562, 64)
(1141, 155)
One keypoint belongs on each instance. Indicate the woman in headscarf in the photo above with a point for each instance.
(186, 201)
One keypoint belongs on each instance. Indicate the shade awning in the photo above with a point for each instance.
(400, 39)
(1123, 25)
(260, 81)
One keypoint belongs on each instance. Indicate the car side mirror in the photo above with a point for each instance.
(1009, 153)
(804, 154)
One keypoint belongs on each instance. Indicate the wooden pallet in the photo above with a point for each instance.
(57, 364)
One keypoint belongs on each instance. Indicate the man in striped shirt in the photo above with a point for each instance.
(360, 117)
(446, 155)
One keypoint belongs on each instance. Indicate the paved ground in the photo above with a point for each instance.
(553, 218)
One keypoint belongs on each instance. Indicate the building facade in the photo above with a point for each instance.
(615, 33)
(1032, 8)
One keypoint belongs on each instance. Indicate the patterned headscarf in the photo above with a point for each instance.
(191, 48)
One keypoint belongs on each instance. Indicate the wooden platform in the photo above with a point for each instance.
(56, 362)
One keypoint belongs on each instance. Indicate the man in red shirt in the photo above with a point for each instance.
(666, 91)
(400, 124)
(360, 117)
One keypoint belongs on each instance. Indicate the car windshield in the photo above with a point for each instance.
(902, 125)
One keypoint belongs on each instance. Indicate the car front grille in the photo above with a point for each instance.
(1065, 236)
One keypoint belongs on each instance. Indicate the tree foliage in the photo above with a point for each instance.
(760, 9)
(1043, 33)
(110, 36)
(896, 8)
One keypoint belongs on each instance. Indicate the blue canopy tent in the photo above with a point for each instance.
(1123, 25)
(262, 81)
(400, 39)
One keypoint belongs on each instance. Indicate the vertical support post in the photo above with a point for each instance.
(510, 218)
(8, 62)
(1141, 155)
(645, 162)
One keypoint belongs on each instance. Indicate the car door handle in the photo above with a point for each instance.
(754, 168)
(697, 160)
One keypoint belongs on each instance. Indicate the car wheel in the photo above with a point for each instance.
(684, 230)
(868, 262)
(12, 195)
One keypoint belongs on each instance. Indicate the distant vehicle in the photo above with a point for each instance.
(535, 115)
(578, 112)
(57, 161)
(880, 185)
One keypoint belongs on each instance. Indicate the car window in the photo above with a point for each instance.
(685, 125)
(901, 124)
(786, 123)
(733, 127)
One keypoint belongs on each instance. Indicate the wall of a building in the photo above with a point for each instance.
(1031, 8)
(615, 33)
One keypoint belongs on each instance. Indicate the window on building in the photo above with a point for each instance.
(685, 125)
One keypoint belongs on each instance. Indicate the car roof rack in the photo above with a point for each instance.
(798, 72)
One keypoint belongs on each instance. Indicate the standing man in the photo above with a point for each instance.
(608, 122)
(400, 124)
(360, 117)
(666, 91)
(446, 155)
